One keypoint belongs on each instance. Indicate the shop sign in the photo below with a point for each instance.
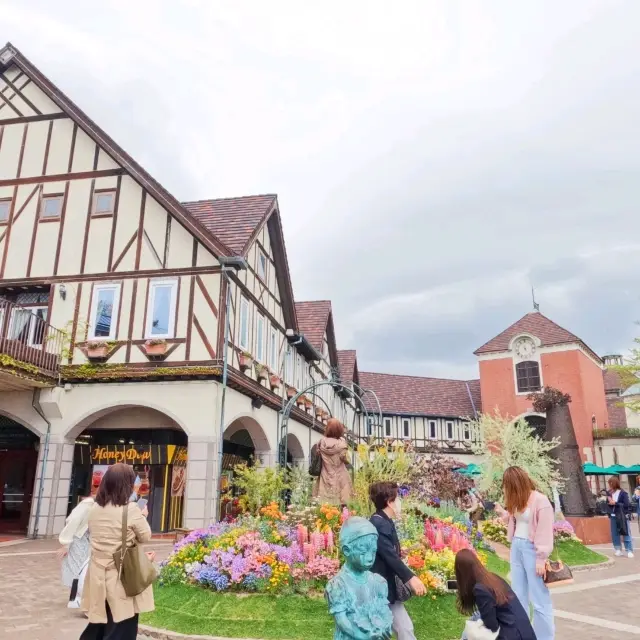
(112, 454)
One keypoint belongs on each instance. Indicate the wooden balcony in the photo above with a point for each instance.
(30, 349)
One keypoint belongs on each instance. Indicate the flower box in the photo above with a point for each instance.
(308, 404)
(261, 372)
(246, 361)
(300, 401)
(291, 392)
(155, 347)
(275, 382)
(319, 412)
(97, 350)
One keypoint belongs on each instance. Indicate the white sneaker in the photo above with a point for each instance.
(630, 554)
(618, 553)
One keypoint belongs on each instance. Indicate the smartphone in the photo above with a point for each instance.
(142, 503)
(452, 585)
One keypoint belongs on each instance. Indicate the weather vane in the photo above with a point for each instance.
(536, 306)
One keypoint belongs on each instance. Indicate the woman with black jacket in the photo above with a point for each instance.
(388, 563)
(619, 505)
(488, 596)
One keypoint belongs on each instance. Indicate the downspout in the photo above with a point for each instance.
(225, 376)
(281, 434)
(35, 403)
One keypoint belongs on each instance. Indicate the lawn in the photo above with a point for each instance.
(193, 610)
(574, 553)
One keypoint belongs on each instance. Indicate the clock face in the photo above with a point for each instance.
(524, 348)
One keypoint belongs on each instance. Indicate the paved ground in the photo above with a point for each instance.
(33, 602)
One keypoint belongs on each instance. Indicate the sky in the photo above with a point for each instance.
(433, 160)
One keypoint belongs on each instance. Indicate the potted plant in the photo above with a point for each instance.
(308, 403)
(246, 360)
(275, 382)
(300, 402)
(261, 372)
(97, 349)
(319, 412)
(155, 347)
(291, 391)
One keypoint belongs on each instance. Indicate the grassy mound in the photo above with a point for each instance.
(574, 553)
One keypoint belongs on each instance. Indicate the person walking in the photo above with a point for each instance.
(619, 504)
(76, 550)
(334, 482)
(388, 563)
(486, 596)
(112, 614)
(530, 517)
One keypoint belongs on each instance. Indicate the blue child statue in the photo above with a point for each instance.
(358, 599)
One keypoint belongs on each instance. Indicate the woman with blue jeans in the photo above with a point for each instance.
(530, 517)
(619, 504)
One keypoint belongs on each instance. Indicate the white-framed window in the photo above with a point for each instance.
(28, 325)
(243, 338)
(466, 431)
(273, 349)
(51, 207)
(104, 203)
(104, 309)
(290, 367)
(387, 427)
(5, 208)
(433, 429)
(263, 264)
(369, 426)
(161, 308)
(260, 327)
(406, 428)
(449, 430)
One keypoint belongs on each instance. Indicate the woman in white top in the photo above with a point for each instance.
(76, 550)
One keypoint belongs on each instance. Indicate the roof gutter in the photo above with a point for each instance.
(304, 346)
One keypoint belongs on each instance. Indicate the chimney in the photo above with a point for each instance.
(612, 360)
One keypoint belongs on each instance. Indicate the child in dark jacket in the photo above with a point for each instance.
(491, 599)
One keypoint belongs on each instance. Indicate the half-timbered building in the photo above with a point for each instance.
(137, 327)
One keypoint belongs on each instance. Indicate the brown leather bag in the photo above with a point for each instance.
(135, 570)
(557, 573)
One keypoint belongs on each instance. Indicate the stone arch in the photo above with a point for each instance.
(295, 451)
(538, 421)
(19, 421)
(95, 414)
(245, 437)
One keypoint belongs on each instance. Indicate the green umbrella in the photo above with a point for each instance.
(591, 469)
(634, 468)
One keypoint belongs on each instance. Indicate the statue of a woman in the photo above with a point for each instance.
(358, 599)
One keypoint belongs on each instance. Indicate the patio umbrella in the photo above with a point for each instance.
(591, 469)
(633, 469)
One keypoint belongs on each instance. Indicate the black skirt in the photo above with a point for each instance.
(123, 630)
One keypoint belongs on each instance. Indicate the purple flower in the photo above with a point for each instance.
(211, 577)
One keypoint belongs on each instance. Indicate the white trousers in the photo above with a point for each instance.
(402, 623)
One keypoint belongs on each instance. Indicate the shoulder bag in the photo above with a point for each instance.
(315, 468)
(135, 570)
(557, 572)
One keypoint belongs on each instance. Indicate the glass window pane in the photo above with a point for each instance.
(104, 312)
(244, 324)
(161, 312)
(104, 203)
(4, 210)
(51, 207)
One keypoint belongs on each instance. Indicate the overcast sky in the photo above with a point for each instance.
(433, 159)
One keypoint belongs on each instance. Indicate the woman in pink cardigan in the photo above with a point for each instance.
(530, 517)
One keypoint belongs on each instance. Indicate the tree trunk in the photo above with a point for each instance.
(577, 497)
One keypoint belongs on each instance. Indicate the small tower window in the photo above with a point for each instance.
(528, 376)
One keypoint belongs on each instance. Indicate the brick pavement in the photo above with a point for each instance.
(33, 602)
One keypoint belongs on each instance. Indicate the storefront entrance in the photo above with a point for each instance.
(18, 461)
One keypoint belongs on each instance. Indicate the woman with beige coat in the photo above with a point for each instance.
(334, 483)
(112, 615)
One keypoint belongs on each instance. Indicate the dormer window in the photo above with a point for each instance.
(528, 376)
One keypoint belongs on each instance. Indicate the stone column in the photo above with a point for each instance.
(201, 482)
(51, 490)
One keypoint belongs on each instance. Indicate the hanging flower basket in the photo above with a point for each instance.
(97, 350)
(261, 372)
(319, 412)
(300, 401)
(308, 404)
(155, 347)
(291, 392)
(246, 361)
(275, 382)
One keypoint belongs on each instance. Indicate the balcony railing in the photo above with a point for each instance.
(28, 339)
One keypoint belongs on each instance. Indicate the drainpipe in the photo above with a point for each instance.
(35, 403)
(280, 434)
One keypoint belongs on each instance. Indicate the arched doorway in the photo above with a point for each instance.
(149, 440)
(295, 452)
(18, 462)
(538, 423)
(245, 441)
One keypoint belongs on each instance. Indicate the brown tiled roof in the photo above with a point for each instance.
(312, 321)
(347, 365)
(611, 380)
(617, 414)
(537, 325)
(423, 396)
(232, 220)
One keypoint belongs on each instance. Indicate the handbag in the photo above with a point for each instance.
(556, 572)
(135, 570)
(315, 468)
(475, 630)
(403, 593)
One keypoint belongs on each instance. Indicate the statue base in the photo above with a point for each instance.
(594, 530)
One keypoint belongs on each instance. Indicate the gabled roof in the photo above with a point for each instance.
(534, 323)
(12, 56)
(314, 319)
(235, 221)
(348, 366)
(414, 395)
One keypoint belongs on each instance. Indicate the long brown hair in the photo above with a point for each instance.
(469, 573)
(334, 429)
(614, 483)
(116, 486)
(517, 487)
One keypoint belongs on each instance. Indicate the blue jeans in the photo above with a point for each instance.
(615, 537)
(530, 588)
